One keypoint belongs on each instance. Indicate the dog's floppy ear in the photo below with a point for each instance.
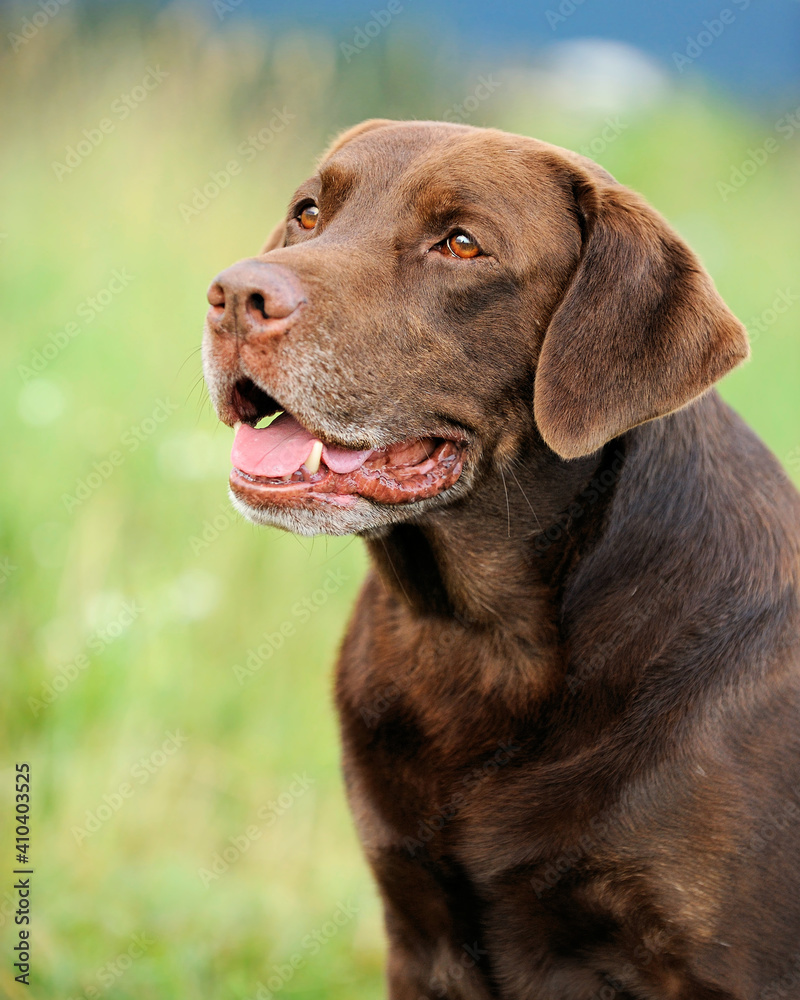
(640, 331)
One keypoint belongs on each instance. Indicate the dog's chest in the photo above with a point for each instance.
(440, 725)
(473, 862)
(462, 822)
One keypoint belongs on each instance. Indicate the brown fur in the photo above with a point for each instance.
(569, 692)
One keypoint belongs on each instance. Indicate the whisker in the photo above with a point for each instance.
(191, 354)
(394, 570)
(508, 505)
(538, 523)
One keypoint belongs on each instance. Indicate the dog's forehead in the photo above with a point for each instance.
(392, 147)
(421, 158)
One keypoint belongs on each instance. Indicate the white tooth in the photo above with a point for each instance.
(313, 460)
(236, 426)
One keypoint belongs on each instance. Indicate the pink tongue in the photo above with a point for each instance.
(275, 451)
(279, 450)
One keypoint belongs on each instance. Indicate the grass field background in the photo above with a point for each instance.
(130, 592)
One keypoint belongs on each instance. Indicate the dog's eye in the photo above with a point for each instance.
(461, 245)
(308, 217)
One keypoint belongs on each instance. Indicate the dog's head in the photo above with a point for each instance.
(440, 299)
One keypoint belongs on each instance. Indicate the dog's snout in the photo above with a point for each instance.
(252, 298)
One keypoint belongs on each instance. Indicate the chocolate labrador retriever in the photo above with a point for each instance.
(570, 691)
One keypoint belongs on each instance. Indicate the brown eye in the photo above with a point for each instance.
(308, 217)
(461, 245)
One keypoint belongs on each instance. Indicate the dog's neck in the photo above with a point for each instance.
(490, 559)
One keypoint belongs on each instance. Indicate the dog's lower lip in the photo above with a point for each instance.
(285, 463)
(375, 480)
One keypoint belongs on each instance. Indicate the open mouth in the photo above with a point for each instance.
(285, 463)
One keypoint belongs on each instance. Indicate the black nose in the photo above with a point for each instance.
(254, 298)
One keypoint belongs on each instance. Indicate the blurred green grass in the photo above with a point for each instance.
(156, 535)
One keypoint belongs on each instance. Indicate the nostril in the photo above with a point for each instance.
(257, 306)
(216, 296)
(252, 297)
